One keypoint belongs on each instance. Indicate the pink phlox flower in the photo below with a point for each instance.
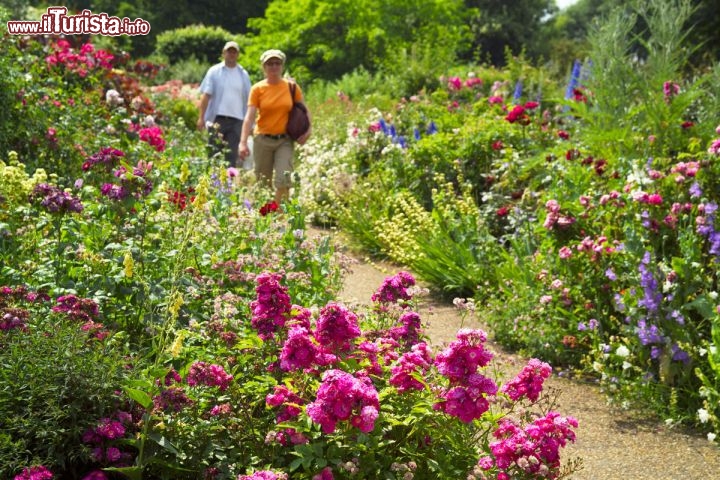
(336, 327)
(77, 308)
(463, 356)
(263, 475)
(341, 397)
(532, 450)
(409, 331)
(153, 136)
(290, 402)
(395, 288)
(412, 364)
(454, 83)
(529, 382)
(298, 351)
(201, 373)
(272, 305)
(325, 474)
(38, 472)
(714, 147)
(96, 475)
(172, 398)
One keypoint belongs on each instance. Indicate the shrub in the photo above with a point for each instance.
(203, 43)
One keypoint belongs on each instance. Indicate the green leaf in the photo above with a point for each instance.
(139, 396)
(133, 473)
(164, 442)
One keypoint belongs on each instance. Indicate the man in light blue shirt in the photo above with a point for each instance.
(225, 90)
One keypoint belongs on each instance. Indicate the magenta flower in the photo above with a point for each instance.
(342, 397)
(412, 364)
(530, 451)
(282, 396)
(173, 398)
(336, 327)
(394, 288)
(76, 308)
(35, 473)
(210, 375)
(463, 356)
(272, 305)
(298, 351)
(263, 475)
(529, 382)
(55, 200)
(153, 136)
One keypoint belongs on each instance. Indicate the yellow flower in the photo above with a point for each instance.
(128, 264)
(203, 192)
(177, 344)
(184, 172)
(174, 305)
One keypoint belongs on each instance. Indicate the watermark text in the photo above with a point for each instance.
(57, 22)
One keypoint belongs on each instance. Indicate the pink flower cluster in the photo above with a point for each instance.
(153, 136)
(35, 473)
(263, 475)
(210, 375)
(102, 437)
(336, 327)
(107, 157)
(172, 398)
(685, 170)
(271, 306)
(76, 308)
(81, 63)
(593, 247)
(410, 329)
(466, 399)
(715, 146)
(55, 200)
(529, 382)
(291, 402)
(670, 89)
(341, 397)
(394, 288)
(648, 198)
(554, 217)
(136, 184)
(412, 364)
(534, 450)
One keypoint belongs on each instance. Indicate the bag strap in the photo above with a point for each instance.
(291, 86)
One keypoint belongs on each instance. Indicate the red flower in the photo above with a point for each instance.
(686, 125)
(268, 208)
(517, 114)
(497, 145)
(563, 134)
(502, 211)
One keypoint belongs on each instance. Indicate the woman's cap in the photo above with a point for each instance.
(268, 54)
(231, 45)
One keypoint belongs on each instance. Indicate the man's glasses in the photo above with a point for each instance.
(273, 63)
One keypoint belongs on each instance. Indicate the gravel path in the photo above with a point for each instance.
(613, 445)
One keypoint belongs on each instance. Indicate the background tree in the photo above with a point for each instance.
(498, 25)
(328, 39)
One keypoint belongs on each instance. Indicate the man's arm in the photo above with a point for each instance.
(204, 101)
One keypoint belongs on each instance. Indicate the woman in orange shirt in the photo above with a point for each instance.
(273, 149)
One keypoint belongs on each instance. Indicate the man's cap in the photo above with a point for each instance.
(268, 54)
(231, 45)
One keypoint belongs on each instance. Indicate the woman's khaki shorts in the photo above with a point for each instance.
(273, 153)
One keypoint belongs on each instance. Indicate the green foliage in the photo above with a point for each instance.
(57, 382)
(326, 40)
(203, 43)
